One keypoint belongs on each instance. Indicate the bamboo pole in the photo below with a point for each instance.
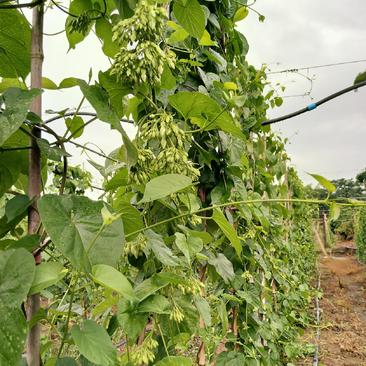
(34, 182)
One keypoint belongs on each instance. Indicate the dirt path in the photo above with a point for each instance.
(343, 306)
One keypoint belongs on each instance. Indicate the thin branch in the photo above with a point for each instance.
(80, 128)
(14, 193)
(3, 149)
(94, 151)
(60, 141)
(54, 34)
(25, 5)
(102, 13)
(91, 114)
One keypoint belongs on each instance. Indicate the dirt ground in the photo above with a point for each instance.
(343, 309)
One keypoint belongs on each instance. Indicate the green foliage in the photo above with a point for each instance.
(191, 16)
(75, 226)
(164, 186)
(93, 342)
(360, 77)
(361, 235)
(13, 332)
(181, 246)
(15, 40)
(16, 103)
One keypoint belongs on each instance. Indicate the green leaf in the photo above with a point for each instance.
(161, 251)
(69, 83)
(164, 186)
(131, 322)
(241, 14)
(131, 217)
(223, 267)
(15, 211)
(203, 235)
(335, 211)
(109, 277)
(206, 40)
(99, 100)
(154, 284)
(16, 206)
(103, 30)
(51, 152)
(228, 230)
(46, 275)
(119, 179)
(330, 187)
(190, 16)
(233, 359)
(116, 91)
(204, 309)
(15, 43)
(74, 224)
(75, 126)
(7, 83)
(28, 242)
(188, 246)
(204, 112)
(77, 7)
(179, 35)
(16, 103)
(240, 43)
(157, 304)
(229, 85)
(125, 7)
(167, 79)
(175, 361)
(16, 276)
(360, 78)
(66, 361)
(131, 150)
(93, 343)
(48, 84)
(13, 332)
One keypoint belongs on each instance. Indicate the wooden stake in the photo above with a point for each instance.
(34, 183)
(324, 218)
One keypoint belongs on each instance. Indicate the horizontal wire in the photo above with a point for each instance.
(296, 69)
(313, 106)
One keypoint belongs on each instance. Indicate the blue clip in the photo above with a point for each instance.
(311, 106)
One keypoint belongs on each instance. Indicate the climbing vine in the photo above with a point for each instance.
(200, 249)
(360, 234)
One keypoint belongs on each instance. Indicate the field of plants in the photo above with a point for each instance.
(199, 249)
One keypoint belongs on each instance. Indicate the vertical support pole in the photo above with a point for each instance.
(324, 219)
(34, 183)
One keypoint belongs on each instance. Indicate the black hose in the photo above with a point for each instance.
(312, 106)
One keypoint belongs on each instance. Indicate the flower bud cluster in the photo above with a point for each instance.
(144, 354)
(176, 314)
(165, 143)
(191, 286)
(80, 24)
(135, 247)
(144, 63)
(140, 58)
(147, 23)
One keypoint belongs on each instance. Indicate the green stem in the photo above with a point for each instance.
(163, 339)
(75, 114)
(72, 292)
(247, 202)
(95, 239)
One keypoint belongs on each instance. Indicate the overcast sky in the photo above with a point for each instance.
(330, 140)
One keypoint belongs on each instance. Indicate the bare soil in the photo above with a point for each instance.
(343, 309)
